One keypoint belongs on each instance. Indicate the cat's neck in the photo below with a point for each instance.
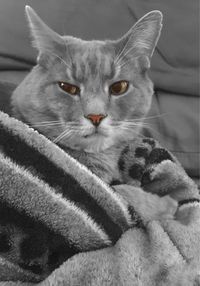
(80, 153)
(103, 163)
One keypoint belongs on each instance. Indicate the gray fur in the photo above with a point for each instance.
(92, 66)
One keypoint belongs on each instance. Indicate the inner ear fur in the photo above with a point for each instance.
(140, 41)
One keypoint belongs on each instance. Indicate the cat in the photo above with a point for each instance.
(90, 98)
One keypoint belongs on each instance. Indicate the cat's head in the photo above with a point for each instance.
(89, 95)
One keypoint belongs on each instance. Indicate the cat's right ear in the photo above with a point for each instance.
(140, 41)
(44, 39)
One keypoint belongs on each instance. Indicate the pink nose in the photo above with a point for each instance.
(95, 118)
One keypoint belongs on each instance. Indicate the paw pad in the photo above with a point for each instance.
(141, 152)
(136, 171)
(188, 201)
(5, 244)
(146, 178)
(158, 155)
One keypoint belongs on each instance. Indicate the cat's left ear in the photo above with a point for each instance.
(141, 39)
(44, 38)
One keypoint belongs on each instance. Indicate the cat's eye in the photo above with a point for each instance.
(69, 88)
(119, 87)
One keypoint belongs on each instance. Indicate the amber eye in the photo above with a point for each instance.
(69, 88)
(119, 87)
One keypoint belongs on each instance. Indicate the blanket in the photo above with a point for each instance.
(85, 232)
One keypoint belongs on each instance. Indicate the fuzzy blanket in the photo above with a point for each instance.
(85, 232)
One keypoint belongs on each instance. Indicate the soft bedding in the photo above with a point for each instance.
(108, 235)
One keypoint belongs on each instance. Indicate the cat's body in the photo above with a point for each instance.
(90, 97)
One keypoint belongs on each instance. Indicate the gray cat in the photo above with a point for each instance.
(89, 96)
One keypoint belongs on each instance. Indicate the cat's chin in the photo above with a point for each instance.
(98, 142)
(93, 135)
(93, 143)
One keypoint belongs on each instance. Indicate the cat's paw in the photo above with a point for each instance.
(168, 177)
(161, 170)
(148, 165)
(164, 175)
(133, 158)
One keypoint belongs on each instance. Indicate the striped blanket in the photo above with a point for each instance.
(62, 225)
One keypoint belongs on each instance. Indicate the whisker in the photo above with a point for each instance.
(130, 127)
(74, 128)
(128, 123)
(156, 116)
(127, 127)
(64, 134)
(143, 125)
(134, 132)
(50, 121)
(143, 118)
(61, 136)
(56, 122)
(72, 123)
(46, 124)
(152, 129)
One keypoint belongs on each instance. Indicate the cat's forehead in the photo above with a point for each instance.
(91, 59)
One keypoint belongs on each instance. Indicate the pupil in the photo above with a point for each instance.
(117, 87)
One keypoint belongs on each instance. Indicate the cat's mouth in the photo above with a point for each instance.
(92, 135)
(87, 135)
(95, 133)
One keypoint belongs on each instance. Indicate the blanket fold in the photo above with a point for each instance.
(46, 184)
(95, 234)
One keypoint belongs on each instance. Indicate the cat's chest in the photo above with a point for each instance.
(104, 164)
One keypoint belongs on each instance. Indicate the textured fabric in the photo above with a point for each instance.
(164, 250)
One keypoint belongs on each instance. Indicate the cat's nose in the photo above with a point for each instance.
(95, 118)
